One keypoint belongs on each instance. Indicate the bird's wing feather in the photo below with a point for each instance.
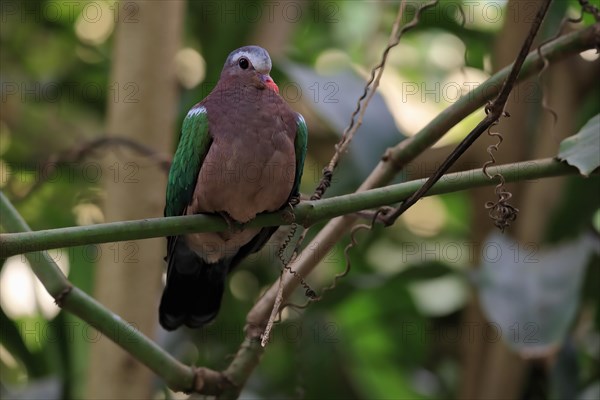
(192, 149)
(193, 146)
(300, 144)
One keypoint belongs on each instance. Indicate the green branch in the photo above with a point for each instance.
(41, 263)
(177, 375)
(407, 150)
(396, 158)
(306, 213)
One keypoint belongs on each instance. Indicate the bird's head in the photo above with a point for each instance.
(250, 65)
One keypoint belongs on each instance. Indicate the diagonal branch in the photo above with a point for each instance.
(493, 111)
(90, 148)
(369, 91)
(177, 375)
(356, 119)
(399, 156)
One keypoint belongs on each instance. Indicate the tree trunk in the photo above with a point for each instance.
(490, 369)
(142, 107)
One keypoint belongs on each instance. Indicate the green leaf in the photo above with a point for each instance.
(532, 294)
(11, 339)
(581, 149)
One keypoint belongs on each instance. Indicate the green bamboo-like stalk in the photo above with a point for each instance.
(177, 375)
(242, 365)
(407, 150)
(555, 50)
(306, 213)
(41, 263)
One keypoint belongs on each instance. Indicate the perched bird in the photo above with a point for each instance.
(241, 153)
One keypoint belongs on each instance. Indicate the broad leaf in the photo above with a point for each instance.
(531, 294)
(582, 150)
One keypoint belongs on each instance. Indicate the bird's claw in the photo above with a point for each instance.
(288, 215)
(294, 201)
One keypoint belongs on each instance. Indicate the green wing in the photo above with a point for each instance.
(193, 146)
(300, 146)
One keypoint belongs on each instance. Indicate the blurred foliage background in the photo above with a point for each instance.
(437, 306)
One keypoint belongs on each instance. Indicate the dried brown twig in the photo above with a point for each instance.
(353, 242)
(91, 148)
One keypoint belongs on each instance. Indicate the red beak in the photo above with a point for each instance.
(270, 83)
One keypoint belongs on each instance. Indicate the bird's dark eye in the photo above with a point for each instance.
(243, 63)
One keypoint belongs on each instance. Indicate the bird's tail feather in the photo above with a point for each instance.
(194, 289)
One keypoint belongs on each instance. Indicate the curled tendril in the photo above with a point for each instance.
(545, 106)
(586, 7)
(313, 297)
(500, 211)
(275, 317)
(463, 22)
(286, 242)
(286, 263)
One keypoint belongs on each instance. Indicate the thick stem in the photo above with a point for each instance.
(41, 263)
(306, 213)
(177, 375)
(242, 365)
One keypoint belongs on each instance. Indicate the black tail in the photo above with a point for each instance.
(194, 288)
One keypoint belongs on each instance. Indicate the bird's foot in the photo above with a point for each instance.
(294, 201)
(288, 214)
